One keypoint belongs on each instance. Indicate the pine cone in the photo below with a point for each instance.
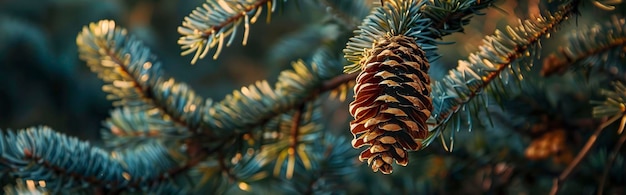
(551, 143)
(391, 102)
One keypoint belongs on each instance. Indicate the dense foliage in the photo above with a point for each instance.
(524, 97)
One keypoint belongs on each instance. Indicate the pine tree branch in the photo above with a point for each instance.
(295, 129)
(234, 18)
(325, 87)
(293, 140)
(148, 97)
(134, 78)
(294, 88)
(64, 162)
(450, 16)
(614, 106)
(499, 53)
(210, 24)
(559, 66)
(336, 82)
(611, 160)
(557, 182)
(588, 48)
(137, 82)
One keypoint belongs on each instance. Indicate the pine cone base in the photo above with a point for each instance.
(391, 103)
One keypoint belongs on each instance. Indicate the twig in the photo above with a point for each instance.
(580, 156)
(337, 81)
(454, 15)
(234, 18)
(610, 161)
(295, 127)
(561, 65)
(293, 141)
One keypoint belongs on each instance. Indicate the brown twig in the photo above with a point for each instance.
(295, 127)
(336, 82)
(580, 156)
(555, 65)
(216, 28)
(610, 161)
(293, 140)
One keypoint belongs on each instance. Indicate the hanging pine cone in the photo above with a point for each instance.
(391, 102)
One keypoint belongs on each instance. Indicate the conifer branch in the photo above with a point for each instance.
(134, 78)
(614, 106)
(295, 128)
(450, 16)
(499, 53)
(337, 81)
(590, 48)
(151, 103)
(557, 182)
(42, 154)
(209, 25)
(610, 161)
(254, 6)
(311, 95)
(294, 141)
(294, 87)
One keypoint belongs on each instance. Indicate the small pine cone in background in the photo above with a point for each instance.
(551, 143)
(391, 102)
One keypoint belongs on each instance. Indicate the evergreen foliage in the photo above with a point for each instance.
(275, 135)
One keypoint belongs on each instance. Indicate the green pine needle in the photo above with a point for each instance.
(216, 22)
(66, 163)
(501, 54)
(134, 78)
(600, 47)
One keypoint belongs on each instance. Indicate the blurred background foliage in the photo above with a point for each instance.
(42, 81)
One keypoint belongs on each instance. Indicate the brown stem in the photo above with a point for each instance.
(336, 82)
(559, 66)
(216, 28)
(611, 160)
(295, 128)
(580, 156)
